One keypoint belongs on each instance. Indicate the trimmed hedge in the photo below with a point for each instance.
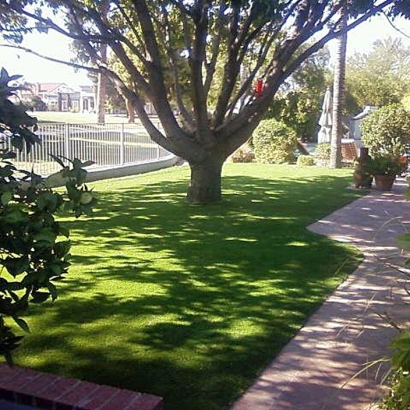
(305, 161)
(274, 142)
(387, 131)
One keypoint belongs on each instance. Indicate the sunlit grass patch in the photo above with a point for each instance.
(191, 302)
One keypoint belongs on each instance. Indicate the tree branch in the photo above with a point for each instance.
(196, 60)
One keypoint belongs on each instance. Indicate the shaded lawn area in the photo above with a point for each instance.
(191, 302)
(75, 118)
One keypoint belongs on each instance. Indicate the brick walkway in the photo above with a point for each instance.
(347, 331)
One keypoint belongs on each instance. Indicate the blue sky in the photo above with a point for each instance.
(35, 69)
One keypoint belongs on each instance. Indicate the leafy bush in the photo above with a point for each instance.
(406, 102)
(399, 396)
(386, 165)
(387, 131)
(305, 161)
(274, 142)
(322, 150)
(243, 154)
(34, 247)
(35, 103)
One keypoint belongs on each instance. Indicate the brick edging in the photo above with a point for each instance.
(49, 391)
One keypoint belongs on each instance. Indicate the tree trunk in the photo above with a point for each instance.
(338, 96)
(205, 185)
(130, 111)
(102, 85)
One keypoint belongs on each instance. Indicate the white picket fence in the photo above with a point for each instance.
(107, 145)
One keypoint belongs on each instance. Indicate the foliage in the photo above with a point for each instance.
(35, 103)
(386, 131)
(34, 247)
(305, 161)
(406, 102)
(381, 76)
(243, 154)
(274, 142)
(188, 59)
(399, 397)
(209, 295)
(385, 165)
(298, 105)
(322, 151)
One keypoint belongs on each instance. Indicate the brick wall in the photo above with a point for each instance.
(48, 391)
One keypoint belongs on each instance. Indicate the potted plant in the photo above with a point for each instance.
(384, 168)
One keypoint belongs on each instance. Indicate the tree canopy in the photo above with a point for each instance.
(179, 53)
(380, 76)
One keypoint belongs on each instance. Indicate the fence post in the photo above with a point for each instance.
(122, 145)
(67, 150)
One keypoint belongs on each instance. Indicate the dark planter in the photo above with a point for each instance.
(384, 182)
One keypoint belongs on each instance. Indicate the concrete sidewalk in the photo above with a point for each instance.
(347, 331)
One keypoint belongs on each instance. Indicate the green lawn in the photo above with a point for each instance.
(75, 118)
(191, 302)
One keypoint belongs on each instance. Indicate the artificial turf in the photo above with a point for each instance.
(191, 302)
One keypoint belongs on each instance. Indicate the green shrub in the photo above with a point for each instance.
(322, 151)
(399, 395)
(387, 131)
(405, 102)
(274, 142)
(305, 161)
(34, 245)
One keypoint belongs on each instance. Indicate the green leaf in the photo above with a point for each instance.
(53, 291)
(6, 197)
(15, 266)
(21, 323)
(88, 163)
(61, 249)
(404, 241)
(15, 216)
(58, 160)
(64, 231)
(47, 236)
(39, 297)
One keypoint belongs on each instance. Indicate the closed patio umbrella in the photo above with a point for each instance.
(325, 120)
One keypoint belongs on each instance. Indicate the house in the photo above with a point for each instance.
(61, 97)
(356, 122)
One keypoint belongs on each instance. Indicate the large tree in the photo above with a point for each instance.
(157, 40)
(382, 75)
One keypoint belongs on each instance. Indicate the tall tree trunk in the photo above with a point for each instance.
(338, 95)
(205, 185)
(102, 88)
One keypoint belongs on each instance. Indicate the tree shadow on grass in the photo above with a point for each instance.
(190, 302)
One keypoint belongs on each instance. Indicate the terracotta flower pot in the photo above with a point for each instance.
(384, 182)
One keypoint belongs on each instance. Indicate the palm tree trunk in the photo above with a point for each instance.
(102, 88)
(338, 95)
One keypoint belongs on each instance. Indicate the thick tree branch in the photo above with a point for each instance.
(172, 54)
(196, 59)
(159, 95)
(216, 44)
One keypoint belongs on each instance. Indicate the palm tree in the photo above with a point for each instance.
(339, 91)
(102, 88)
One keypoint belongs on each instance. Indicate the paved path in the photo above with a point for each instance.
(347, 331)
